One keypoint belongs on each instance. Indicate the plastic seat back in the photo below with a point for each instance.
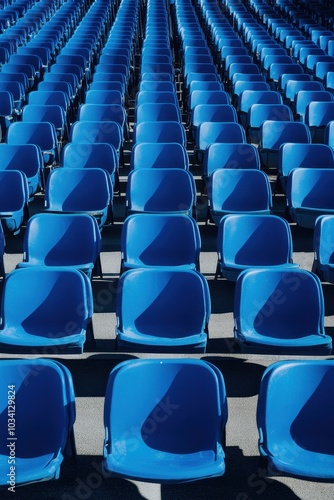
(155, 319)
(303, 427)
(159, 155)
(238, 191)
(245, 241)
(61, 240)
(308, 194)
(47, 301)
(79, 190)
(205, 426)
(258, 291)
(160, 190)
(43, 433)
(293, 155)
(160, 240)
(230, 155)
(161, 131)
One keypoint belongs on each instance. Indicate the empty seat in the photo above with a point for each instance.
(62, 240)
(259, 113)
(28, 159)
(274, 133)
(304, 97)
(42, 134)
(238, 191)
(317, 116)
(94, 132)
(295, 441)
(159, 155)
(246, 241)
(160, 240)
(45, 308)
(171, 316)
(74, 190)
(208, 133)
(293, 155)
(188, 444)
(161, 190)
(281, 312)
(309, 194)
(323, 247)
(43, 433)
(229, 155)
(13, 200)
(162, 131)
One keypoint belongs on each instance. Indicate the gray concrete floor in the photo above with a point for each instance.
(244, 478)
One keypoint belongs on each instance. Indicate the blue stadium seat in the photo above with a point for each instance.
(160, 240)
(294, 442)
(45, 432)
(152, 322)
(280, 312)
(252, 241)
(186, 446)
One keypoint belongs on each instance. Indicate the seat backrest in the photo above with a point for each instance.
(77, 189)
(258, 113)
(101, 113)
(209, 132)
(309, 383)
(95, 132)
(43, 134)
(259, 306)
(160, 132)
(254, 240)
(61, 240)
(168, 379)
(239, 190)
(28, 380)
(230, 155)
(48, 300)
(104, 97)
(175, 294)
(157, 111)
(294, 86)
(25, 157)
(159, 155)
(273, 133)
(249, 97)
(310, 188)
(90, 155)
(160, 190)
(213, 113)
(292, 155)
(304, 97)
(160, 240)
(51, 113)
(50, 97)
(319, 113)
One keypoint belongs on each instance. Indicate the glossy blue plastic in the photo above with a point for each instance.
(309, 193)
(323, 246)
(171, 316)
(160, 240)
(175, 431)
(79, 190)
(160, 190)
(43, 432)
(247, 241)
(294, 435)
(53, 310)
(54, 240)
(238, 191)
(281, 312)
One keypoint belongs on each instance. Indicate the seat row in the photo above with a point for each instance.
(178, 423)
(160, 254)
